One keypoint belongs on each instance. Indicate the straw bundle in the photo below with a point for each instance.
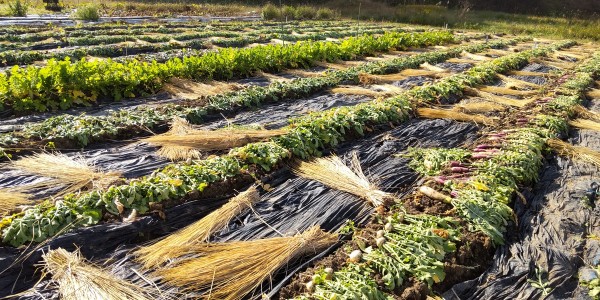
(475, 56)
(529, 73)
(74, 172)
(585, 124)
(188, 145)
(78, 280)
(9, 201)
(233, 270)
(517, 83)
(199, 232)
(356, 91)
(429, 67)
(431, 113)
(593, 94)
(498, 99)
(333, 172)
(586, 113)
(272, 77)
(505, 91)
(457, 60)
(575, 152)
(479, 107)
(365, 78)
(193, 90)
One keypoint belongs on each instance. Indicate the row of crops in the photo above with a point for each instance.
(58, 43)
(398, 247)
(63, 84)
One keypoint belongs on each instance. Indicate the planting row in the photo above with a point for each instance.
(304, 138)
(72, 37)
(162, 27)
(81, 130)
(479, 183)
(159, 43)
(62, 84)
(53, 40)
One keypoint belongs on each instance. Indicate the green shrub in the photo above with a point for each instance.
(325, 14)
(305, 13)
(288, 12)
(271, 12)
(89, 12)
(18, 8)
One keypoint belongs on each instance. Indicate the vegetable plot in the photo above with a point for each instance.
(307, 137)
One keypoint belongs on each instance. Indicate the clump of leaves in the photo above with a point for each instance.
(88, 12)
(18, 8)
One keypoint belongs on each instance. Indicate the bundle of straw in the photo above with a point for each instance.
(9, 200)
(585, 124)
(366, 78)
(529, 73)
(505, 91)
(586, 113)
(431, 113)
(498, 99)
(333, 172)
(193, 90)
(79, 280)
(479, 107)
(594, 93)
(74, 172)
(199, 232)
(517, 83)
(177, 146)
(356, 91)
(575, 152)
(233, 270)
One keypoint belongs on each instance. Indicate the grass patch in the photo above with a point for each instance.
(539, 26)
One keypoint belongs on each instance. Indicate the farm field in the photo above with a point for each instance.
(297, 160)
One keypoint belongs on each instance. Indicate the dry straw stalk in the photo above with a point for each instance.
(232, 270)
(575, 152)
(585, 124)
(77, 279)
(505, 91)
(586, 113)
(333, 172)
(182, 141)
(9, 200)
(74, 172)
(431, 113)
(199, 232)
(479, 107)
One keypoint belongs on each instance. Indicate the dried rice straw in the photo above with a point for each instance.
(333, 172)
(594, 94)
(75, 172)
(183, 142)
(232, 270)
(10, 200)
(575, 152)
(356, 91)
(505, 91)
(199, 232)
(79, 280)
(498, 99)
(585, 124)
(431, 113)
(517, 83)
(365, 78)
(479, 107)
(586, 113)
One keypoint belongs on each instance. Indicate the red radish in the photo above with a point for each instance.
(454, 194)
(459, 169)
